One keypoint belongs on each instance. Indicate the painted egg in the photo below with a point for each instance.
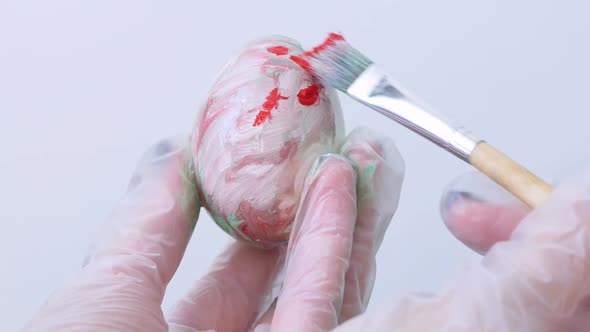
(264, 124)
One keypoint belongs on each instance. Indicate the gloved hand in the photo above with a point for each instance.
(328, 270)
(535, 275)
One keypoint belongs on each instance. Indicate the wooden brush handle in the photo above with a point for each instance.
(513, 177)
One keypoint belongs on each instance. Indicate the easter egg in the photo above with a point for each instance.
(265, 122)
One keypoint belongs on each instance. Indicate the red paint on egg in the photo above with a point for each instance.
(244, 228)
(278, 50)
(263, 226)
(271, 102)
(309, 96)
(303, 63)
(261, 117)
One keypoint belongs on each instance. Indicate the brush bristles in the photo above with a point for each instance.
(336, 62)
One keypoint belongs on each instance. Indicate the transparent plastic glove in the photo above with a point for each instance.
(331, 258)
(480, 213)
(535, 275)
(334, 242)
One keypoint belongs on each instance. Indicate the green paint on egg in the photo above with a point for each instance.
(215, 215)
(189, 199)
(234, 220)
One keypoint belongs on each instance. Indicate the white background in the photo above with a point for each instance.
(86, 86)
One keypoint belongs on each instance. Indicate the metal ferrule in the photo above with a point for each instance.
(375, 89)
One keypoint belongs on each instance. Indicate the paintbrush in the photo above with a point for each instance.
(336, 63)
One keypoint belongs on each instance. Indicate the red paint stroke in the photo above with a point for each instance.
(330, 41)
(309, 96)
(244, 228)
(266, 227)
(272, 102)
(303, 63)
(278, 50)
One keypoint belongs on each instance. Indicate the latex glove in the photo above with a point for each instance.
(535, 275)
(330, 258)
